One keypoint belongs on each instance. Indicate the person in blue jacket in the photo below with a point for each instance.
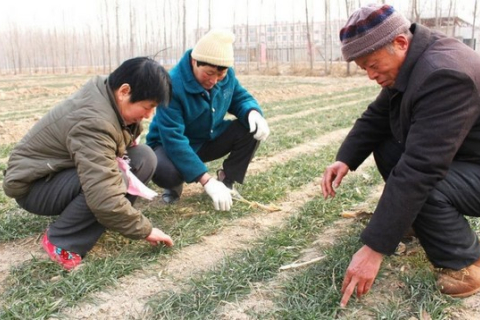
(193, 130)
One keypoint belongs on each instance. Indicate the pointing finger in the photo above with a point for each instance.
(347, 293)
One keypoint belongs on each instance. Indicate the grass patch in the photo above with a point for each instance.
(6, 149)
(333, 99)
(267, 187)
(233, 279)
(293, 131)
(315, 293)
(38, 289)
(18, 224)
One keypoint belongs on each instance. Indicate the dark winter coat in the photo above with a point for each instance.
(433, 111)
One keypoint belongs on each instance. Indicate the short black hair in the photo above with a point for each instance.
(219, 68)
(148, 80)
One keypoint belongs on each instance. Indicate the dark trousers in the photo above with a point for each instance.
(441, 227)
(236, 141)
(76, 229)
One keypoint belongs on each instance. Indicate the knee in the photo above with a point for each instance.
(148, 158)
(167, 176)
(437, 206)
(441, 196)
(143, 160)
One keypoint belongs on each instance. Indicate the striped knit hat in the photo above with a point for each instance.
(370, 28)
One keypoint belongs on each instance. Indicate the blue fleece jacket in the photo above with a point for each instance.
(195, 116)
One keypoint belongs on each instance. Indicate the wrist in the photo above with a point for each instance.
(204, 179)
(203, 184)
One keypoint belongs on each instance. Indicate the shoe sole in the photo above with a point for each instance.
(465, 294)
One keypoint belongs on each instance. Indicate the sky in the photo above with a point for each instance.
(47, 13)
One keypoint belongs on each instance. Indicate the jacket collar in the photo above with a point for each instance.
(420, 42)
(189, 82)
(133, 129)
(115, 108)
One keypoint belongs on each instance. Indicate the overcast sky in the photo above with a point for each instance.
(46, 13)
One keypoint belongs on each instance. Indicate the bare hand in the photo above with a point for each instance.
(332, 177)
(361, 273)
(157, 236)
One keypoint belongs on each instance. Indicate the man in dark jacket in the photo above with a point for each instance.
(193, 129)
(424, 132)
(82, 163)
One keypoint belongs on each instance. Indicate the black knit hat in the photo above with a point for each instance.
(370, 28)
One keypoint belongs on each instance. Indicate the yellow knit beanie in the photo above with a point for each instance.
(216, 48)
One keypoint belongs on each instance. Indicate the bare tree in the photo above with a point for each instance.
(438, 13)
(132, 29)
(184, 29)
(349, 10)
(328, 36)
(51, 41)
(73, 50)
(104, 56)
(414, 13)
(87, 39)
(117, 31)
(16, 58)
(275, 24)
(165, 29)
(293, 35)
(473, 24)
(455, 12)
(209, 14)
(258, 45)
(178, 32)
(449, 16)
(309, 40)
(197, 35)
(107, 35)
(64, 38)
(247, 44)
(148, 32)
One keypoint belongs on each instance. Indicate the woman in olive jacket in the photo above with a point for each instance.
(68, 163)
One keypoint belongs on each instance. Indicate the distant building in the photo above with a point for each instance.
(287, 42)
(454, 27)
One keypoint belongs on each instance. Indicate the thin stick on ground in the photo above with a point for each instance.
(296, 265)
(254, 204)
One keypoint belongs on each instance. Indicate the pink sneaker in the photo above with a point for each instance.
(67, 259)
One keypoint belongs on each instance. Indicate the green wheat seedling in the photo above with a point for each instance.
(233, 279)
(266, 187)
(297, 105)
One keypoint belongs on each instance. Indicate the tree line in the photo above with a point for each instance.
(165, 29)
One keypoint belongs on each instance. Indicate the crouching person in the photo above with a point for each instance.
(80, 160)
(194, 129)
(423, 130)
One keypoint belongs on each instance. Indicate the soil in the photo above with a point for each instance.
(127, 298)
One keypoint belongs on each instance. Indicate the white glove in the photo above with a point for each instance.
(257, 122)
(220, 194)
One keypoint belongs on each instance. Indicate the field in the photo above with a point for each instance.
(249, 263)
